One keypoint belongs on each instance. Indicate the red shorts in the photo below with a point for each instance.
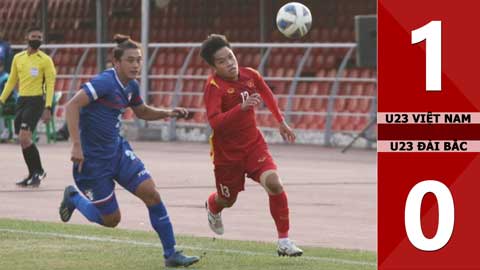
(230, 178)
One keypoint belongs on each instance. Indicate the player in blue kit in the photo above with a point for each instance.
(101, 156)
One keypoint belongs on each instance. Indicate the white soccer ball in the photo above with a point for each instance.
(294, 20)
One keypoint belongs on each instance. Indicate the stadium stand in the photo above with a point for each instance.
(180, 21)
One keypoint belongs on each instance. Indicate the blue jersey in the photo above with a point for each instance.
(100, 119)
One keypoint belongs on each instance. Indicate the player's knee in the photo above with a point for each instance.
(112, 221)
(25, 140)
(152, 197)
(272, 184)
(275, 188)
(147, 192)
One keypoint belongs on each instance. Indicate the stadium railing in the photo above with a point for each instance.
(328, 136)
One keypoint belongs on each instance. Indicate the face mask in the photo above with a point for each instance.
(34, 44)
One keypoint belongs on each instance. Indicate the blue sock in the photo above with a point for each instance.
(87, 208)
(162, 225)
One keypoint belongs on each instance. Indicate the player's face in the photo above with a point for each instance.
(35, 35)
(34, 39)
(226, 64)
(130, 64)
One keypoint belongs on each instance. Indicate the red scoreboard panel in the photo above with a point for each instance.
(428, 134)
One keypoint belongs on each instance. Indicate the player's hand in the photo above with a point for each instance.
(182, 113)
(287, 133)
(251, 102)
(77, 156)
(47, 114)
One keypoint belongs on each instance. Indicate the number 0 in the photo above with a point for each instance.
(446, 215)
(432, 33)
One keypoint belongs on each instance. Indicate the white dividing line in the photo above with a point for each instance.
(158, 245)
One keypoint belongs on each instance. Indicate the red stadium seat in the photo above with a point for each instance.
(198, 86)
(339, 105)
(319, 104)
(280, 72)
(366, 73)
(278, 87)
(352, 105)
(200, 117)
(344, 89)
(369, 89)
(197, 102)
(306, 104)
(360, 123)
(156, 100)
(308, 119)
(330, 62)
(301, 88)
(364, 105)
(282, 103)
(185, 101)
(352, 73)
(289, 72)
(256, 60)
(288, 60)
(166, 100)
(275, 61)
(339, 121)
(262, 119)
(169, 85)
(357, 89)
(170, 61)
(349, 124)
(301, 124)
(270, 72)
(318, 122)
(295, 104)
(312, 88)
(270, 121)
(59, 85)
(160, 60)
(188, 86)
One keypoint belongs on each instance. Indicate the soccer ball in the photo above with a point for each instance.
(294, 20)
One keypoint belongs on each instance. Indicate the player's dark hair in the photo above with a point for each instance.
(33, 29)
(211, 45)
(123, 43)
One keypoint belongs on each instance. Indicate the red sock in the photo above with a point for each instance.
(213, 205)
(279, 211)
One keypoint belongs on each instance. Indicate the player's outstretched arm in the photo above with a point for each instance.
(73, 115)
(267, 95)
(148, 113)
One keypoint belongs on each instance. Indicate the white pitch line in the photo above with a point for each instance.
(157, 245)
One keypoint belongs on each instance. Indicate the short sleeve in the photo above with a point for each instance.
(136, 99)
(97, 87)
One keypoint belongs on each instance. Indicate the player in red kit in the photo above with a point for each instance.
(238, 147)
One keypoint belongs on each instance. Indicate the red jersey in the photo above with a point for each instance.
(234, 130)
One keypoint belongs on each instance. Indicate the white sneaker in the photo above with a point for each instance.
(214, 221)
(5, 135)
(286, 247)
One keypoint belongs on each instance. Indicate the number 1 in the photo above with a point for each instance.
(432, 33)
